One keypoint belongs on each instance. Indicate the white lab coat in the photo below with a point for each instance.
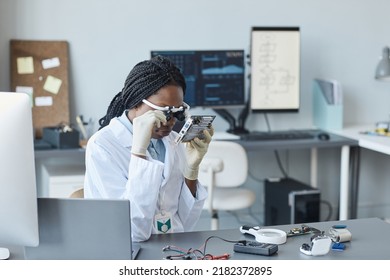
(151, 186)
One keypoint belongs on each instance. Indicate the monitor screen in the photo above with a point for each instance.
(214, 78)
(18, 194)
(275, 69)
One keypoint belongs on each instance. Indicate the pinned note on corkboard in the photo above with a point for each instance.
(40, 69)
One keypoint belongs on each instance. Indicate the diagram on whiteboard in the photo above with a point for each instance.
(275, 69)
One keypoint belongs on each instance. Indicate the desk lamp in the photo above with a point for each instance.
(383, 69)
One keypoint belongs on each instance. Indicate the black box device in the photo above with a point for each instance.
(60, 139)
(288, 201)
(256, 248)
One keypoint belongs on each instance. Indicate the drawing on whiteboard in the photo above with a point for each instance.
(273, 78)
(275, 66)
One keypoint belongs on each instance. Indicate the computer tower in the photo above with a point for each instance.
(288, 201)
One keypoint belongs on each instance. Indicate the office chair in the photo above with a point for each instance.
(223, 170)
(77, 193)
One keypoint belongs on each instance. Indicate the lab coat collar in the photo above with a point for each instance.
(169, 156)
(121, 132)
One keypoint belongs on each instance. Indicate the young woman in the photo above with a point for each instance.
(134, 156)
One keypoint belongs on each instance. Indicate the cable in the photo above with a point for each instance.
(285, 174)
(330, 212)
(223, 239)
(255, 179)
(197, 254)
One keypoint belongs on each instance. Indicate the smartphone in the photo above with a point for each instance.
(194, 127)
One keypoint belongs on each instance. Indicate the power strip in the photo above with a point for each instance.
(257, 248)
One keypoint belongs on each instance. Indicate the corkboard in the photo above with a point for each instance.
(42, 66)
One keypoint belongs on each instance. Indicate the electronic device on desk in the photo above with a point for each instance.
(288, 201)
(84, 229)
(214, 78)
(18, 196)
(340, 233)
(320, 245)
(304, 229)
(256, 248)
(265, 235)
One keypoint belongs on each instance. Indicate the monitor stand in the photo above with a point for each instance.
(4, 253)
(234, 128)
(238, 130)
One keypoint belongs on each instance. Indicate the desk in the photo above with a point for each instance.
(380, 144)
(369, 241)
(348, 172)
(347, 176)
(55, 157)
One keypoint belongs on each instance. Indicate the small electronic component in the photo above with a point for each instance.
(302, 230)
(339, 234)
(320, 245)
(338, 247)
(254, 247)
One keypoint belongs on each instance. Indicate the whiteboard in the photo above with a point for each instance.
(275, 69)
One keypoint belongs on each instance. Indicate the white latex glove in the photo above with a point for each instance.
(142, 130)
(195, 151)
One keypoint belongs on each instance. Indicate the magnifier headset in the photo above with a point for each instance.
(179, 113)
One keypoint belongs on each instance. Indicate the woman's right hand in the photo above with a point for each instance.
(143, 126)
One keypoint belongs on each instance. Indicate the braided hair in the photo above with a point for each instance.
(144, 80)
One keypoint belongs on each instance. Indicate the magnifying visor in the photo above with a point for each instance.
(179, 113)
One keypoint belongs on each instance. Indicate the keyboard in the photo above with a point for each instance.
(278, 135)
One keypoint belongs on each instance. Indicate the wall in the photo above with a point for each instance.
(342, 40)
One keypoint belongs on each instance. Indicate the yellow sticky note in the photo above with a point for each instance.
(52, 84)
(25, 65)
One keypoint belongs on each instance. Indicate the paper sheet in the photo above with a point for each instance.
(44, 101)
(50, 63)
(52, 84)
(28, 90)
(25, 65)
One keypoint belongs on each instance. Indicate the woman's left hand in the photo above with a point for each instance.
(195, 151)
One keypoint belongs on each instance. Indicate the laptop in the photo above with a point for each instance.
(83, 229)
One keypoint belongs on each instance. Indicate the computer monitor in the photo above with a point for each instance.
(214, 78)
(18, 194)
(275, 69)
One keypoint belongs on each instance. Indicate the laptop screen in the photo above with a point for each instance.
(75, 229)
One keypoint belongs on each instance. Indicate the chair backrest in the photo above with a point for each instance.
(234, 160)
(77, 193)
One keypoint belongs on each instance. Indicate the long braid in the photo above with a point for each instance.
(144, 80)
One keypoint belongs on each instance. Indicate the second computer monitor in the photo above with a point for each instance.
(18, 193)
(214, 78)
